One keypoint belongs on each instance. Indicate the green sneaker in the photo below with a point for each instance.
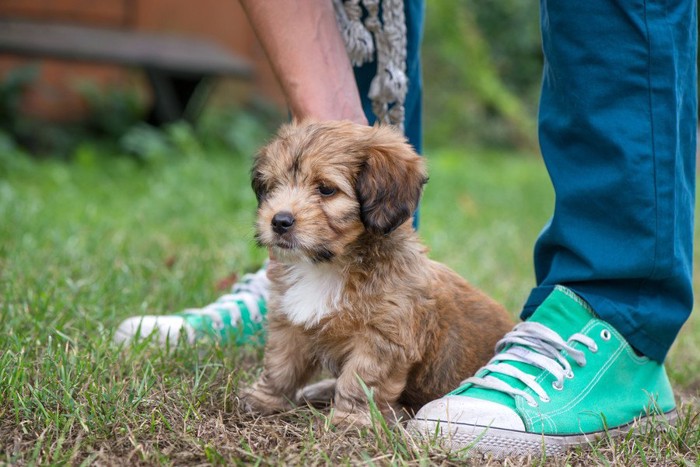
(238, 315)
(561, 379)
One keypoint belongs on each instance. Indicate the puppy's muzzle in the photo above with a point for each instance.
(282, 222)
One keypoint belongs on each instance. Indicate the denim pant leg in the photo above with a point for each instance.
(617, 127)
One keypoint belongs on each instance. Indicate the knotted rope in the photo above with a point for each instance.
(387, 38)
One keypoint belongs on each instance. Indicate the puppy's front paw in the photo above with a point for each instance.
(255, 400)
(343, 419)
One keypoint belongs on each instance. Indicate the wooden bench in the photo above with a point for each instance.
(179, 69)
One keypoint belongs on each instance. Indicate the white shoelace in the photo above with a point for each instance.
(537, 345)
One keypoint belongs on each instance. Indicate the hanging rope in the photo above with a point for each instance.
(385, 40)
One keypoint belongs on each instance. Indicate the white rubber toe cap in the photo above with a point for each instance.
(469, 411)
(166, 328)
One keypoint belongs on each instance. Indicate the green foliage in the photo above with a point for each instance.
(235, 131)
(115, 122)
(12, 87)
(482, 65)
(241, 131)
(146, 143)
(113, 110)
(20, 128)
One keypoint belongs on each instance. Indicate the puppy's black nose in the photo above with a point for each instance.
(282, 222)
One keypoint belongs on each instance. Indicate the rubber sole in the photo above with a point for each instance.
(500, 443)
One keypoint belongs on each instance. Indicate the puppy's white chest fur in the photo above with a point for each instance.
(314, 291)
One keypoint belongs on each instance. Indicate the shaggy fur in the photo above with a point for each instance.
(352, 288)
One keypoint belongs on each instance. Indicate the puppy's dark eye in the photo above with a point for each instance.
(326, 190)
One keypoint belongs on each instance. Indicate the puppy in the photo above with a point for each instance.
(352, 289)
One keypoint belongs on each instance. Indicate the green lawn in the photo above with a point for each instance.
(88, 243)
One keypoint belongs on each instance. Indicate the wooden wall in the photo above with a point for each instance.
(55, 95)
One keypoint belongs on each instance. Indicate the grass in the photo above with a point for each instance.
(88, 243)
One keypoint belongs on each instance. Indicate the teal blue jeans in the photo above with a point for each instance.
(617, 129)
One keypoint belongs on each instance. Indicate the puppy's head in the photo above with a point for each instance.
(322, 185)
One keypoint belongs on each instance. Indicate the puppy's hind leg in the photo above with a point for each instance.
(318, 394)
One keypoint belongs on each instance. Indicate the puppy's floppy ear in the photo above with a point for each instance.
(390, 181)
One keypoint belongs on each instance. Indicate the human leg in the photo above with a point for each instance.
(617, 131)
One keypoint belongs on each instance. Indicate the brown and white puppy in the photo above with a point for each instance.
(352, 289)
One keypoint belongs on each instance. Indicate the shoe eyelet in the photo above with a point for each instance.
(533, 403)
(593, 348)
(569, 375)
(605, 335)
(557, 387)
(545, 399)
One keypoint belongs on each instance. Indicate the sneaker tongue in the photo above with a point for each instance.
(564, 313)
